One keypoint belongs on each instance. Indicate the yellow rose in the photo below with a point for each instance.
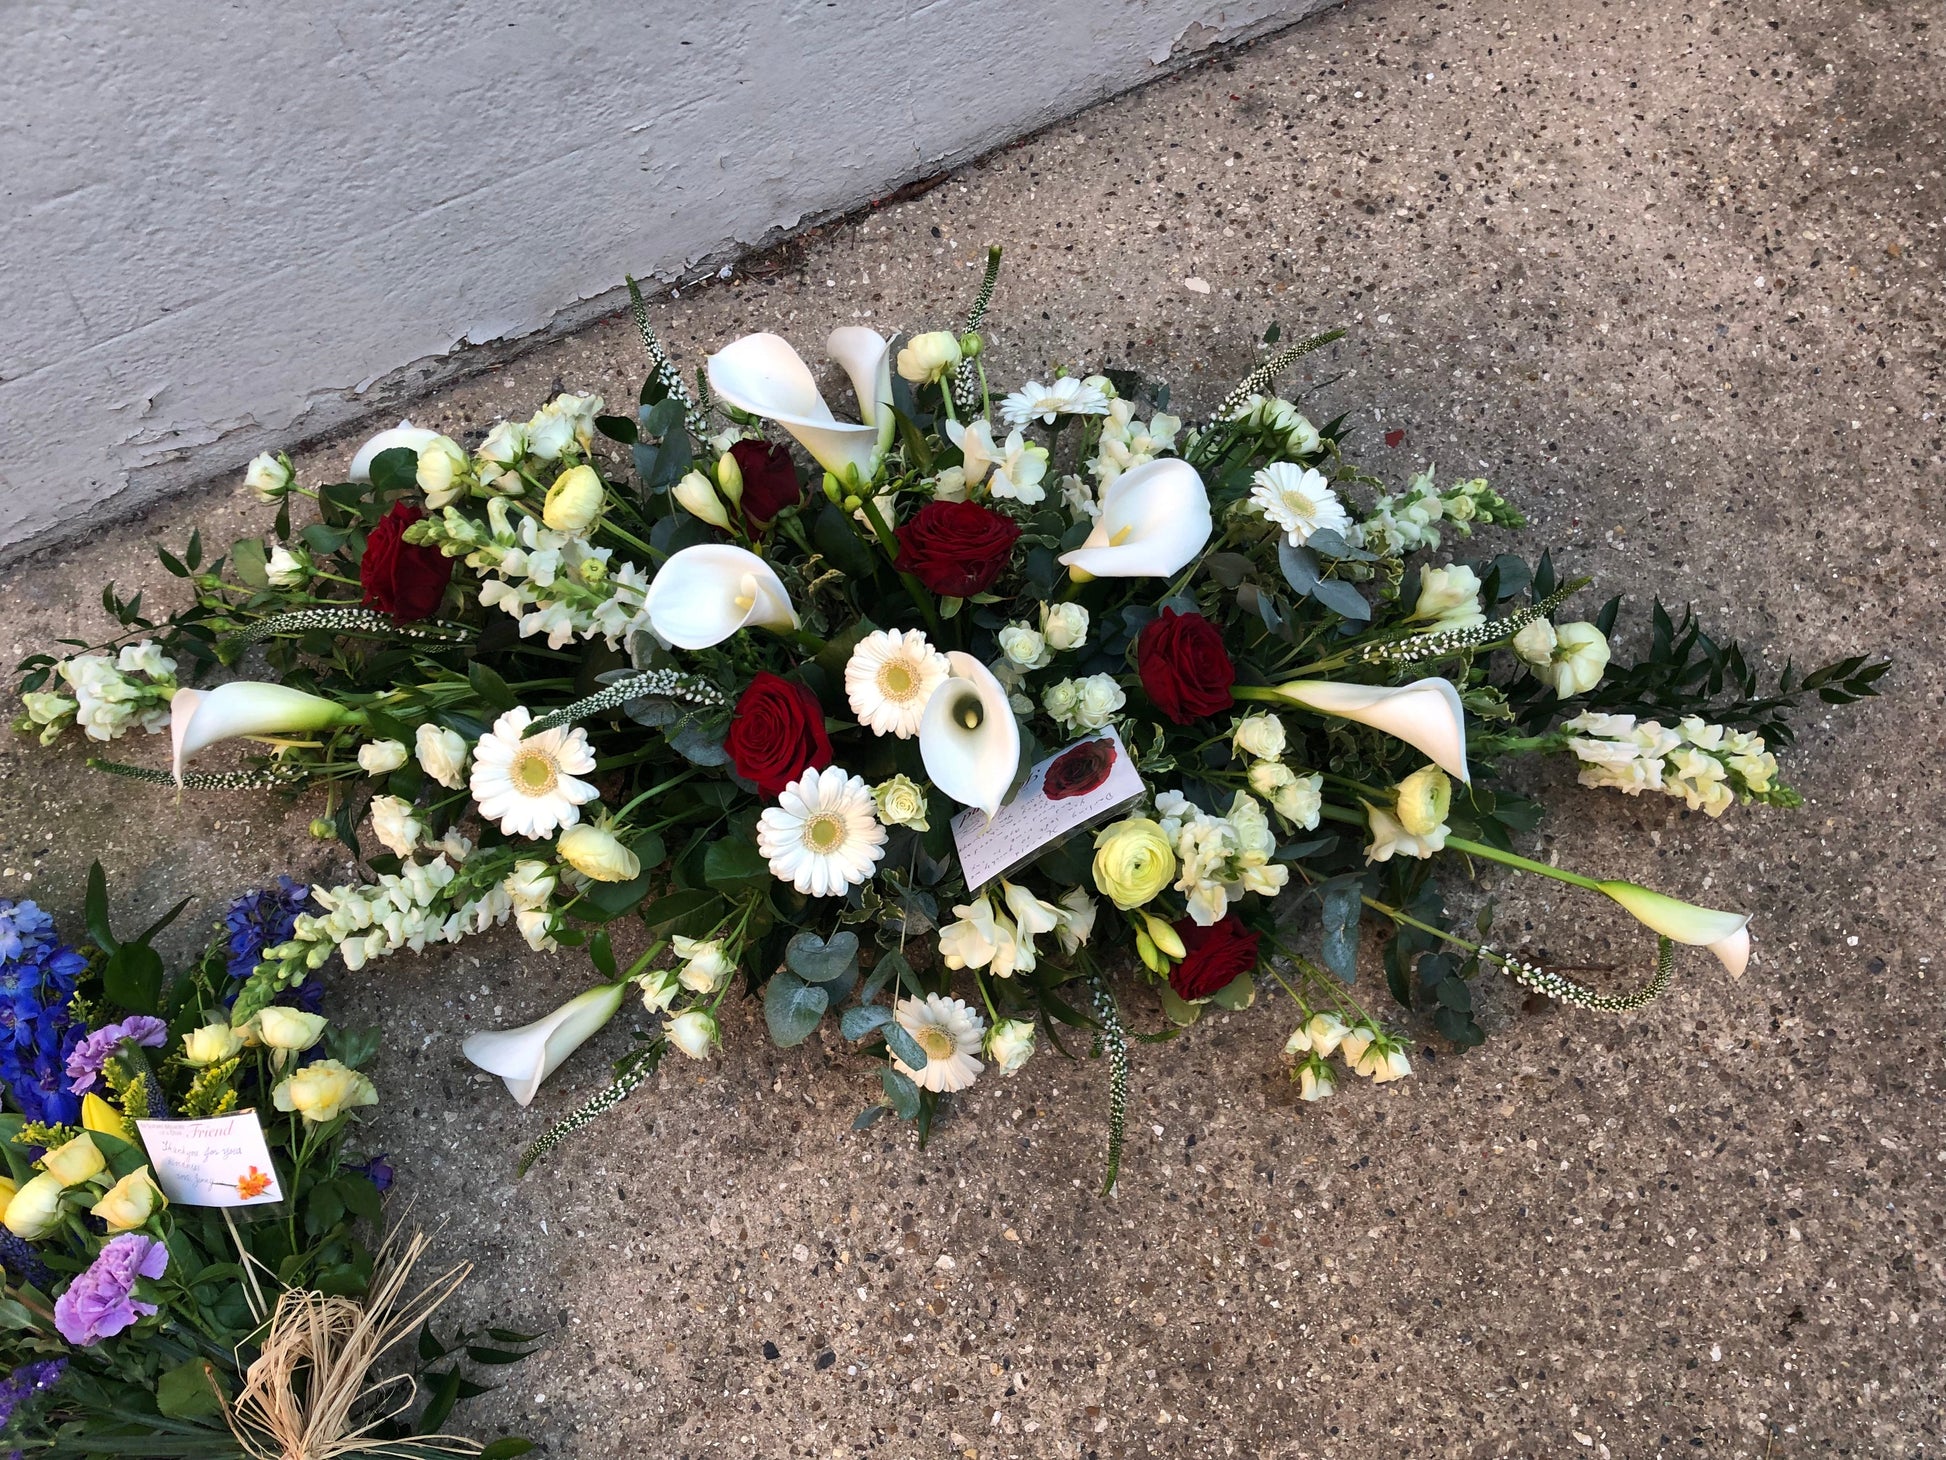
(323, 1091)
(574, 501)
(1133, 861)
(210, 1045)
(289, 1029)
(75, 1162)
(35, 1209)
(598, 854)
(130, 1202)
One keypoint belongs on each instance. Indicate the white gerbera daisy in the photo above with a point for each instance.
(950, 1033)
(889, 678)
(528, 786)
(1299, 500)
(1065, 397)
(821, 836)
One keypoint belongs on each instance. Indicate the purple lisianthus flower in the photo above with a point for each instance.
(86, 1059)
(101, 1302)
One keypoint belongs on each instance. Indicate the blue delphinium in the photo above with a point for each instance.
(263, 919)
(26, 1382)
(38, 977)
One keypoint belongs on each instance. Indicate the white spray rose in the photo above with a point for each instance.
(1010, 1044)
(270, 477)
(901, 802)
(694, 1032)
(1099, 699)
(1024, 648)
(598, 854)
(393, 823)
(380, 757)
(1064, 626)
(1261, 736)
(288, 567)
(442, 755)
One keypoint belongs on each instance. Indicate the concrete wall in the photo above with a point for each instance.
(229, 225)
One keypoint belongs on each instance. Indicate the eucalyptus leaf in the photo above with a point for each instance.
(821, 960)
(1343, 903)
(792, 1008)
(863, 1019)
(904, 1046)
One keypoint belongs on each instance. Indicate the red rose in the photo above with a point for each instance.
(1079, 770)
(770, 481)
(1214, 957)
(1184, 666)
(956, 549)
(776, 732)
(403, 579)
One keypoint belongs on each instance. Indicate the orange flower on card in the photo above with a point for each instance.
(252, 1184)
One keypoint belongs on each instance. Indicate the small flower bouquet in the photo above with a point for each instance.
(135, 1324)
(755, 674)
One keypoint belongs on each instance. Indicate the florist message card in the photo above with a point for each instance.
(1090, 780)
(219, 1162)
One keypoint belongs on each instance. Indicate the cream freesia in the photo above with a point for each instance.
(200, 718)
(706, 593)
(1726, 934)
(968, 737)
(763, 375)
(1154, 519)
(1425, 714)
(526, 1056)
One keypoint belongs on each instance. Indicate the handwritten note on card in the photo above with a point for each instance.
(220, 1162)
(1089, 781)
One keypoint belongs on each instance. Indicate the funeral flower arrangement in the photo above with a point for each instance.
(935, 716)
(244, 1319)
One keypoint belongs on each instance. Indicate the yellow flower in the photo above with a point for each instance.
(102, 1118)
(597, 853)
(323, 1091)
(74, 1162)
(210, 1045)
(7, 1190)
(1423, 799)
(1133, 861)
(130, 1202)
(35, 1209)
(289, 1029)
(574, 501)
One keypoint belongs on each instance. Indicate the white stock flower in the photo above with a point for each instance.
(1064, 626)
(397, 829)
(889, 678)
(1067, 396)
(1299, 500)
(442, 755)
(950, 1033)
(1078, 499)
(1024, 648)
(975, 442)
(1076, 912)
(822, 836)
(380, 757)
(564, 423)
(527, 784)
(530, 884)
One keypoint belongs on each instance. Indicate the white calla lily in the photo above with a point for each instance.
(706, 593)
(413, 438)
(1425, 714)
(968, 738)
(1726, 934)
(526, 1056)
(199, 718)
(1154, 519)
(763, 375)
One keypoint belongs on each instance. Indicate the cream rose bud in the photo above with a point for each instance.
(694, 1033)
(396, 828)
(381, 757)
(698, 498)
(929, 357)
(1064, 626)
(1010, 1044)
(270, 477)
(442, 473)
(706, 965)
(574, 501)
(288, 567)
(323, 1091)
(209, 1045)
(1579, 660)
(1260, 736)
(1535, 643)
(130, 1202)
(901, 801)
(1100, 697)
(1301, 803)
(1315, 1082)
(1024, 648)
(597, 853)
(442, 755)
(1268, 777)
(35, 1210)
(289, 1029)
(530, 884)
(74, 1161)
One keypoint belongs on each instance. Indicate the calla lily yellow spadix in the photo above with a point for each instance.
(1154, 519)
(1426, 714)
(706, 593)
(968, 737)
(763, 375)
(199, 718)
(526, 1056)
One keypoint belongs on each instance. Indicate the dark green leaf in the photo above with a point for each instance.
(188, 1390)
(1338, 951)
(132, 977)
(395, 472)
(96, 910)
(506, 1448)
(818, 960)
(247, 557)
(862, 1019)
(792, 1008)
(733, 866)
(489, 686)
(902, 1094)
(839, 539)
(904, 1045)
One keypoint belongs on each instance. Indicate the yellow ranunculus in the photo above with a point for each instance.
(323, 1091)
(99, 1116)
(1423, 799)
(74, 1161)
(574, 501)
(130, 1202)
(1133, 861)
(210, 1045)
(35, 1209)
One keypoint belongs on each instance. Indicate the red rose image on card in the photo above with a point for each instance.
(1079, 769)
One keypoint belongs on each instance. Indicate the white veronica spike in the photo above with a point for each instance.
(1425, 714)
(1154, 519)
(969, 739)
(526, 1056)
(763, 375)
(706, 593)
(413, 438)
(200, 718)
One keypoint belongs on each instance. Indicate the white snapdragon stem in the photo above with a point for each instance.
(763, 375)
(1426, 714)
(200, 718)
(1154, 519)
(526, 1056)
(968, 738)
(706, 593)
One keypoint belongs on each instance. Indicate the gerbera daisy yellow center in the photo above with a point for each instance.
(824, 832)
(936, 1042)
(1297, 503)
(896, 681)
(533, 773)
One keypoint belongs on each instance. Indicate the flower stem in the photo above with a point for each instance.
(1524, 864)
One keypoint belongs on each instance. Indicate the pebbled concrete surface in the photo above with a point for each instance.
(1671, 279)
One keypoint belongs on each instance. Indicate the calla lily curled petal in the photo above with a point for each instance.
(763, 375)
(412, 438)
(1426, 714)
(200, 718)
(1726, 934)
(526, 1056)
(968, 738)
(1154, 519)
(706, 593)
